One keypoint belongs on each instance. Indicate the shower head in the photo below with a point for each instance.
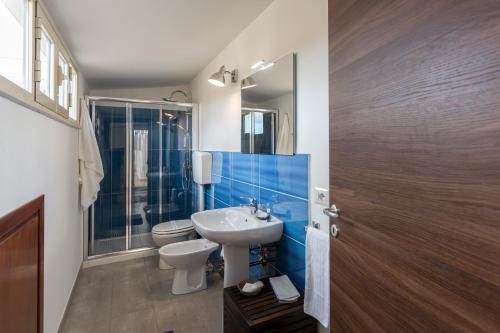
(170, 98)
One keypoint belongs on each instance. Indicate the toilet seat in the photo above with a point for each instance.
(173, 228)
(188, 248)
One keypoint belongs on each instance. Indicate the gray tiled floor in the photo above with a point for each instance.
(134, 296)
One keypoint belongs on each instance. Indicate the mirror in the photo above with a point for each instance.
(268, 109)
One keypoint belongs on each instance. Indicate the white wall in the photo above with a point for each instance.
(39, 155)
(155, 93)
(285, 26)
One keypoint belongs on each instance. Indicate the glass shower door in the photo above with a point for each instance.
(146, 174)
(146, 154)
(108, 225)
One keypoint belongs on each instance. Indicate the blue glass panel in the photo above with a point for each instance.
(155, 129)
(119, 216)
(102, 216)
(105, 185)
(118, 148)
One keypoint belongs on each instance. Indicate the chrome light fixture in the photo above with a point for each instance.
(218, 79)
(248, 83)
(262, 65)
(258, 64)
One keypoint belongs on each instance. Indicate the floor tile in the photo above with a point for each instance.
(135, 296)
(86, 327)
(129, 297)
(135, 322)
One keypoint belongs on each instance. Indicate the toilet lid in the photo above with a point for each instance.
(173, 226)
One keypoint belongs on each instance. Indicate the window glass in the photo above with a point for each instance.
(15, 41)
(248, 124)
(47, 63)
(259, 122)
(63, 87)
(73, 109)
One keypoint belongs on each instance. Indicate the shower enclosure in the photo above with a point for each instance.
(146, 149)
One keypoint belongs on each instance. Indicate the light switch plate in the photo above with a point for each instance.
(321, 196)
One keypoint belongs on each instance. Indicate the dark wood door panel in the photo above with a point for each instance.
(19, 279)
(21, 269)
(415, 165)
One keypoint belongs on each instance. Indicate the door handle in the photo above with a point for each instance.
(332, 212)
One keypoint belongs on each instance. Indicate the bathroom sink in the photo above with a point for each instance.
(236, 229)
(236, 226)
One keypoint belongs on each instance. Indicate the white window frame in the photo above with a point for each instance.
(74, 104)
(59, 71)
(31, 96)
(43, 23)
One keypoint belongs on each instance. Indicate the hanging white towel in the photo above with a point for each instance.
(91, 170)
(317, 292)
(285, 139)
(141, 157)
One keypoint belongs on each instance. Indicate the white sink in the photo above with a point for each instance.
(236, 229)
(235, 226)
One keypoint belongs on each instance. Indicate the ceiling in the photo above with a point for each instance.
(145, 43)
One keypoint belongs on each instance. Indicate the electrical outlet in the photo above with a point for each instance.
(321, 196)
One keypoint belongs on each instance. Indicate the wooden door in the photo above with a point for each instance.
(21, 269)
(415, 165)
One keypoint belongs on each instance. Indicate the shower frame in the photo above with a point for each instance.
(90, 101)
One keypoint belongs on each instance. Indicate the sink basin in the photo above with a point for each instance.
(235, 228)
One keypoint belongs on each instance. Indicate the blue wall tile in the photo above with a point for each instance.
(222, 190)
(294, 212)
(241, 192)
(221, 164)
(282, 183)
(285, 174)
(291, 260)
(219, 204)
(245, 168)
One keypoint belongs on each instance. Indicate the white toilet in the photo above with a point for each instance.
(172, 232)
(189, 259)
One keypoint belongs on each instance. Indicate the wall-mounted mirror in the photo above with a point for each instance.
(268, 109)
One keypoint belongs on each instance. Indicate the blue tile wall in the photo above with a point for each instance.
(282, 183)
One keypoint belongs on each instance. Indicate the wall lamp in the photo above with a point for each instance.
(218, 79)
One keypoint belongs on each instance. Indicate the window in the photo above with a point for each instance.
(73, 102)
(35, 67)
(46, 65)
(63, 87)
(15, 41)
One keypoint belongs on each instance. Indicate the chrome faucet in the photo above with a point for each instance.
(252, 204)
